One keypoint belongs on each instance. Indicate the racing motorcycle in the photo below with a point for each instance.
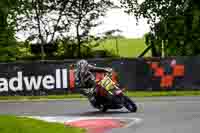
(110, 96)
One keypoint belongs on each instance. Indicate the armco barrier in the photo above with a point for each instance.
(57, 77)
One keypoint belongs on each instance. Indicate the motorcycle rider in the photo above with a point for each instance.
(86, 78)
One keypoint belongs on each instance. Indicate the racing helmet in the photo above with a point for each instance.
(82, 66)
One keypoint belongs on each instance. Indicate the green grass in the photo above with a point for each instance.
(127, 47)
(131, 94)
(13, 124)
(68, 96)
(162, 93)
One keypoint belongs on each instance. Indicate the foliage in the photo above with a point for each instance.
(67, 48)
(8, 43)
(49, 21)
(174, 24)
(43, 20)
(106, 47)
(84, 16)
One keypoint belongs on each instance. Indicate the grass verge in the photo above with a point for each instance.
(162, 93)
(68, 96)
(130, 94)
(13, 124)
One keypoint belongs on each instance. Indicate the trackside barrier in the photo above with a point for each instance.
(58, 77)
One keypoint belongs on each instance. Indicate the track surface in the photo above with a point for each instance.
(159, 115)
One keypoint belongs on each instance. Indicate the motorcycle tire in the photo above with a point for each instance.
(129, 104)
(103, 109)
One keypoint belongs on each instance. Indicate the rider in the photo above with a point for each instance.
(86, 76)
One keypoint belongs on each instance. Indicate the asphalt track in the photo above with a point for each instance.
(158, 115)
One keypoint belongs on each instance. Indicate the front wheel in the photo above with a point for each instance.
(103, 108)
(129, 104)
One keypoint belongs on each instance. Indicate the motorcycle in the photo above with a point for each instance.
(108, 95)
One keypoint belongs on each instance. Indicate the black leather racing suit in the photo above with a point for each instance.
(87, 78)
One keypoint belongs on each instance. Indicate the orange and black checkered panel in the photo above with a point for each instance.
(167, 80)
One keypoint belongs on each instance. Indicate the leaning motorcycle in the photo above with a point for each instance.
(108, 95)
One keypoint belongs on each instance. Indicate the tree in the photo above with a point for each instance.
(46, 21)
(43, 20)
(84, 16)
(174, 24)
(8, 43)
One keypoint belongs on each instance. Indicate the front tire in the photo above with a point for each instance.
(103, 108)
(129, 104)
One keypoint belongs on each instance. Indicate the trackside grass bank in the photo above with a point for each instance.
(162, 93)
(130, 94)
(13, 124)
(128, 47)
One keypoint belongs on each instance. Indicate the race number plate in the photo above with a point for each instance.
(107, 83)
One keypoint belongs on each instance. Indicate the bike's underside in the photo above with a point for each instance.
(109, 96)
(103, 103)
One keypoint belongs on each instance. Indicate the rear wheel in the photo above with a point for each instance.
(129, 104)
